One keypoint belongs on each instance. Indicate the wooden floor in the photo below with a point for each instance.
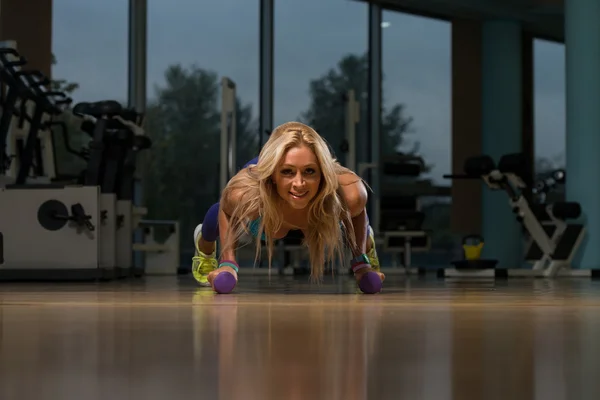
(164, 338)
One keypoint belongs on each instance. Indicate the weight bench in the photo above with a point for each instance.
(567, 237)
(553, 241)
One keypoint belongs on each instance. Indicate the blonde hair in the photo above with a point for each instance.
(253, 193)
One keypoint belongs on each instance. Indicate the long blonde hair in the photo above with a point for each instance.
(256, 196)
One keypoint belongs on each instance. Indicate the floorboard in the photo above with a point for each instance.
(285, 338)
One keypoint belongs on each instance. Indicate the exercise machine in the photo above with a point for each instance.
(551, 250)
(545, 186)
(85, 227)
(117, 138)
(13, 90)
(23, 156)
(47, 231)
(106, 148)
(45, 104)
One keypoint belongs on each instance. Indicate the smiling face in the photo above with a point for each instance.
(298, 176)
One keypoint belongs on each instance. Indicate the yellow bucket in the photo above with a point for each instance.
(472, 251)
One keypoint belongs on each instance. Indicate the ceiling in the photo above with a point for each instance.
(543, 18)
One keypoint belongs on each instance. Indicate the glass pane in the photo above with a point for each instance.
(316, 65)
(550, 114)
(191, 47)
(89, 45)
(416, 120)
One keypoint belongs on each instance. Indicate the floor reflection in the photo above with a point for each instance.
(419, 340)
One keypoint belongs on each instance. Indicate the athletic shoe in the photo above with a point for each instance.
(202, 264)
(372, 254)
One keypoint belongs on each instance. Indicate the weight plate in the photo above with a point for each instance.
(47, 215)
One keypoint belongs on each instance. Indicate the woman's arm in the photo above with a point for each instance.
(228, 204)
(355, 194)
(356, 197)
(227, 262)
(224, 231)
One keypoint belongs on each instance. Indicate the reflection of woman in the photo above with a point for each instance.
(317, 351)
(294, 184)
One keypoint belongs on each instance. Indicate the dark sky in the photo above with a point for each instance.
(90, 43)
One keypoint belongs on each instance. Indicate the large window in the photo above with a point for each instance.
(89, 45)
(549, 106)
(416, 118)
(191, 47)
(90, 48)
(320, 54)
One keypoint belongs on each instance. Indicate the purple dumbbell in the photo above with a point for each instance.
(225, 282)
(370, 283)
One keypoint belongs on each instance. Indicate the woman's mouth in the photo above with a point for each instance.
(298, 195)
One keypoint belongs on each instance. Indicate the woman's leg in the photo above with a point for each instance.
(253, 161)
(205, 237)
(210, 230)
(210, 225)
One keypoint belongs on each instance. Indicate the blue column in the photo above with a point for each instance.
(501, 134)
(582, 40)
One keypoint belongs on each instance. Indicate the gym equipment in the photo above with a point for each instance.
(49, 231)
(47, 104)
(162, 257)
(97, 240)
(402, 229)
(552, 250)
(10, 63)
(116, 139)
(26, 154)
(101, 172)
(224, 283)
(545, 185)
(556, 249)
(397, 165)
(402, 164)
(228, 131)
(398, 223)
(472, 255)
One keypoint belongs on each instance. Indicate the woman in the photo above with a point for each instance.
(294, 184)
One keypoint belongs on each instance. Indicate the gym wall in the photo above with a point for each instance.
(31, 30)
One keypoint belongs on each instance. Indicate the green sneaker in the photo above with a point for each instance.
(202, 264)
(372, 254)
